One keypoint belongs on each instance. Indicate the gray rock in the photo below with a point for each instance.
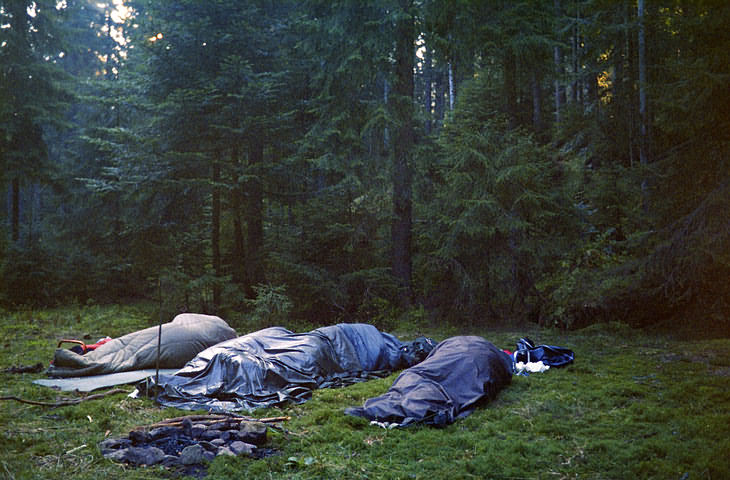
(163, 432)
(225, 451)
(170, 460)
(210, 435)
(116, 455)
(140, 455)
(139, 437)
(241, 448)
(252, 432)
(209, 456)
(192, 454)
(111, 444)
(218, 442)
(209, 446)
(197, 430)
(187, 427)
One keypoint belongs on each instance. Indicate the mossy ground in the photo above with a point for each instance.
(633, 405)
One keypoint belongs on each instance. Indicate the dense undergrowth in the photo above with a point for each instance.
(633, 405)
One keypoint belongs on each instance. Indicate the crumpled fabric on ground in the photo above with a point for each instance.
(530, 367)
(459, 374)
(274, 366)
(550, 355)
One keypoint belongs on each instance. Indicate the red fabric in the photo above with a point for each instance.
(98, 344)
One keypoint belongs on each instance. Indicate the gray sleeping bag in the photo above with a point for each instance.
(182, 339)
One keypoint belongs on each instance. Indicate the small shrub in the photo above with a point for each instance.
(271, 306)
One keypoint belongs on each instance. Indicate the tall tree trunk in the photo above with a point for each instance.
(536, 101)
(575, 52)
(510, 87)
(427, 87)
(239, 251)
(619, 94)
(254, 217)
(558, 91)
(631, 74)
(386, 130)
(34, 211)
(558, 61)
(15, 210)
(216, 232)
(439, 101)
(451, 87)
(405, 139)
(643, 118)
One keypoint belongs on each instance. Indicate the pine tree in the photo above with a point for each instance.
(31, 84)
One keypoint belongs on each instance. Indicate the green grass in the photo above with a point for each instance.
(634, 405)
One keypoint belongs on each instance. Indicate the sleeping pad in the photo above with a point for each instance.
(274, 366)
(459, 373)
(182, 339)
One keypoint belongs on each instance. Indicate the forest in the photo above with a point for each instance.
(557, 162)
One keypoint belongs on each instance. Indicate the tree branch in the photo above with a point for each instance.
(67, 401)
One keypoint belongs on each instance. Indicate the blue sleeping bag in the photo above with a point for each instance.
(459, 373)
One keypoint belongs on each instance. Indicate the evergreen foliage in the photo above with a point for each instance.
(504, 218)
(201, 150)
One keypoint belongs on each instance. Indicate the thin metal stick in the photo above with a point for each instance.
(159, 339)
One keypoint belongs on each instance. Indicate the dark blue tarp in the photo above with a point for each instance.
(457, 375)
(550, 355)
(275, 365)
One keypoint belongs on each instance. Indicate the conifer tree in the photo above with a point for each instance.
(34, 96)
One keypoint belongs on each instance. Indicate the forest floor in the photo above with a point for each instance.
(634, 404)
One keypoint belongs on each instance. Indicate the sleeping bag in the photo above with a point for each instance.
(459, 373)
(274, 366)
(182, 339)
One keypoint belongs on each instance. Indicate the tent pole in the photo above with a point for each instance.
(159, 338)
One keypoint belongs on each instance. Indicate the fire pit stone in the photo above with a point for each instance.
(184, 443)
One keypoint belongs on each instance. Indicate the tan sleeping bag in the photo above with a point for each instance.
(187, 335)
